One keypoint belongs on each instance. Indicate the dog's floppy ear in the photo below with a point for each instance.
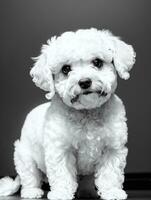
(123, 57)
(41, 73)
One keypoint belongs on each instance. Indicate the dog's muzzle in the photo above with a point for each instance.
(100, 93)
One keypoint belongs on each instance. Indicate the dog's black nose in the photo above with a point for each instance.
(85, 83)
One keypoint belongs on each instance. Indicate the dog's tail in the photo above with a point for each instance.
(8, 186)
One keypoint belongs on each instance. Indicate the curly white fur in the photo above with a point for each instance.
(77, 132)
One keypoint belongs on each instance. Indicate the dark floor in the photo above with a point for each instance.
(138, 187)
(133, 195)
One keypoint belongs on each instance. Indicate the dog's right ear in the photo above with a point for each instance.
(124, 57)
(123, 54)
(41, 73)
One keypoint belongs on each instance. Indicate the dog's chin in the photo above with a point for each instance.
(88, 100)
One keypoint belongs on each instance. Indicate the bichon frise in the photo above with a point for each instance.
(83, 129)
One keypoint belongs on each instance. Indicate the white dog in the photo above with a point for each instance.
(83, 129)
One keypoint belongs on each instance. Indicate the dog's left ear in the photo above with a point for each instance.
(123, 57)
(41, 73)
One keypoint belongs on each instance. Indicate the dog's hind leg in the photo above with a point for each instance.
(29, 174)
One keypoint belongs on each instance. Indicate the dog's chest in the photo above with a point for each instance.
(88, 143)
(88, 153)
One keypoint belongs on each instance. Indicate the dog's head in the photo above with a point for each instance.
(82, 67)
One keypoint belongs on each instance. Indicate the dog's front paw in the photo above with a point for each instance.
(32, 193)
(113, 194)
(59, 195)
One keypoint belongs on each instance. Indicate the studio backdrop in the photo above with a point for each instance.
(26, 25)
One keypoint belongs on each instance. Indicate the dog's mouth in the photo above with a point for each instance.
(100, 93)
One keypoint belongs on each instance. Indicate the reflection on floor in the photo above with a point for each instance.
(132, 195)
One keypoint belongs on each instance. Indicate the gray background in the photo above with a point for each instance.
(26, 24)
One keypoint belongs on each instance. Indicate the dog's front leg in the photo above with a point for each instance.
(109, 175)
(61, 172)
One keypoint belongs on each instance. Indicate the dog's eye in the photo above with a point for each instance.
(97, 62)
(66, 69)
